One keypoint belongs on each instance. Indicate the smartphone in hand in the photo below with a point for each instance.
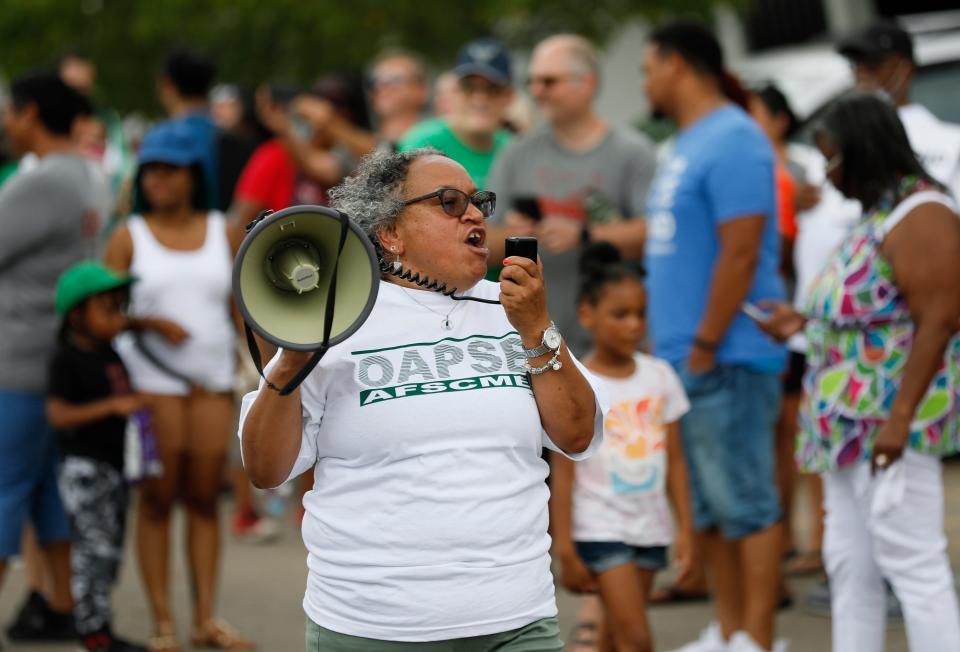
(521, 246)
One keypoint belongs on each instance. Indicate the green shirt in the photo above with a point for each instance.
(437, 133)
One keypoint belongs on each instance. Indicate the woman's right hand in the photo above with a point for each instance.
(574, 574)
(287, 366)
(783, 321)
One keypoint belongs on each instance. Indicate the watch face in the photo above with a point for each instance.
(552, 338)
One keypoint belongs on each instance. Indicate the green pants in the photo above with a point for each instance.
(540, 636)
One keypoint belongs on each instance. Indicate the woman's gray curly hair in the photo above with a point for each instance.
(373, 196)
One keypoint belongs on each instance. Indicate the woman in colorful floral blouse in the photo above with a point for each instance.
(882, 387)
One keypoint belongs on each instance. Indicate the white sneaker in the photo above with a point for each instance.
(742, 642)
(711, 640)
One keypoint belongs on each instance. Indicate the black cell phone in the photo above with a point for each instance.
(526, 247)
(529, 206)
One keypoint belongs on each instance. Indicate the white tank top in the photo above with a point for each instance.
(191, 288)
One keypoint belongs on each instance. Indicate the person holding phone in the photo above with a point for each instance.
(573, 180)
(427, 521)
(882, 387)
(713, 244)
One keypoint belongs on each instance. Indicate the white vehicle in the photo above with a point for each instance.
(812, 75)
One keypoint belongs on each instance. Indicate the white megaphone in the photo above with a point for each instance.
(305, 278)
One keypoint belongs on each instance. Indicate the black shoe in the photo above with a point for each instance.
(30, 616)
(38, 622)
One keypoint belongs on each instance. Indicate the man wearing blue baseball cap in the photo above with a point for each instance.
(472, 134)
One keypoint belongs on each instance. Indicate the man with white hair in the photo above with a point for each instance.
(574, 180)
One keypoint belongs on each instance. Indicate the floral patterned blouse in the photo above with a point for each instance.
(860, 334)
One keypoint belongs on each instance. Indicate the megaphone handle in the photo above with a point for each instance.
(327, 324)
(297, 379)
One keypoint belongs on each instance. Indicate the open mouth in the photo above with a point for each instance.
(477, 239)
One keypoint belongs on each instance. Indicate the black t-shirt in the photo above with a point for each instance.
(79, 376)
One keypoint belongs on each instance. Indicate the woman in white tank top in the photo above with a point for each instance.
(180, 356)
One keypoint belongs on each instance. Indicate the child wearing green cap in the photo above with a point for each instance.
(88, 402)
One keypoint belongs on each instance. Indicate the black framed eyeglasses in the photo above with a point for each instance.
(455, 202)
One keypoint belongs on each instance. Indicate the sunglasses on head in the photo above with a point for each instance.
(455, 202)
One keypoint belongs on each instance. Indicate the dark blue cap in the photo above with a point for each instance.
(487, 58)
(877, 42)
(172, 143)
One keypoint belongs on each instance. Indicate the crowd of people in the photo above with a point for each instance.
(712, 319)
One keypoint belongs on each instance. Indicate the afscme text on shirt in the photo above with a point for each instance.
(449, 365)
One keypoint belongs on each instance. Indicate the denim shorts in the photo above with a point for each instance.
(601, 556)
(28, 473)
(728, 441)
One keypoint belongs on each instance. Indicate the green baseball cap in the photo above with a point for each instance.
(84, 280)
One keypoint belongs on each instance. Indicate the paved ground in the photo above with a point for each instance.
(262, 587)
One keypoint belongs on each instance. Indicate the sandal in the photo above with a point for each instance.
(165, 640)
(806, 563)
(583, 638)
(674, 594)
(215, 634)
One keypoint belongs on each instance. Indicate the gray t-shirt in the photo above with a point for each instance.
(49, 219)
(607, 183)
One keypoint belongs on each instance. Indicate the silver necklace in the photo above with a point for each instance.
(446, 324)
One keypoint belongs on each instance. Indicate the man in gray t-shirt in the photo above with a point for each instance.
(572, 181)
(48, 221)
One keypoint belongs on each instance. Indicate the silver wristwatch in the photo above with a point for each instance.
(551, 341)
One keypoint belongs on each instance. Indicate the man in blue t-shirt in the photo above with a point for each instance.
(712, 245)
(183, 88)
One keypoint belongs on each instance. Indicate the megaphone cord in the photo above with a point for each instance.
(396, 269)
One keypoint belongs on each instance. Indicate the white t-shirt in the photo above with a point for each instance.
(620, 493)
(936, 143)
(428, 515)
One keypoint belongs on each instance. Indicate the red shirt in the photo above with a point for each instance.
(271, 180)
(269, 177)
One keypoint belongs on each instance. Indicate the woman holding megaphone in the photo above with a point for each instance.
(427, 521)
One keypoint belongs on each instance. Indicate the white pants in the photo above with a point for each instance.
(904, 544)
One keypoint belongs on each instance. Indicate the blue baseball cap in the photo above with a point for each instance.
(486, 57)
(169, 142)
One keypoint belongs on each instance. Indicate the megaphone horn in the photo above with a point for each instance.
(305, 278)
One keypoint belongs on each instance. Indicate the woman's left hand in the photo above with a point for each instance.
(889, 445)
(524, 296)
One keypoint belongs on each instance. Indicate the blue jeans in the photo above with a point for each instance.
(728, 440)
(28, 473)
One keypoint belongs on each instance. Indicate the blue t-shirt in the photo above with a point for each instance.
(720, 169)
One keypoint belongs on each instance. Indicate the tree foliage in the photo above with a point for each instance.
(292, 40)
